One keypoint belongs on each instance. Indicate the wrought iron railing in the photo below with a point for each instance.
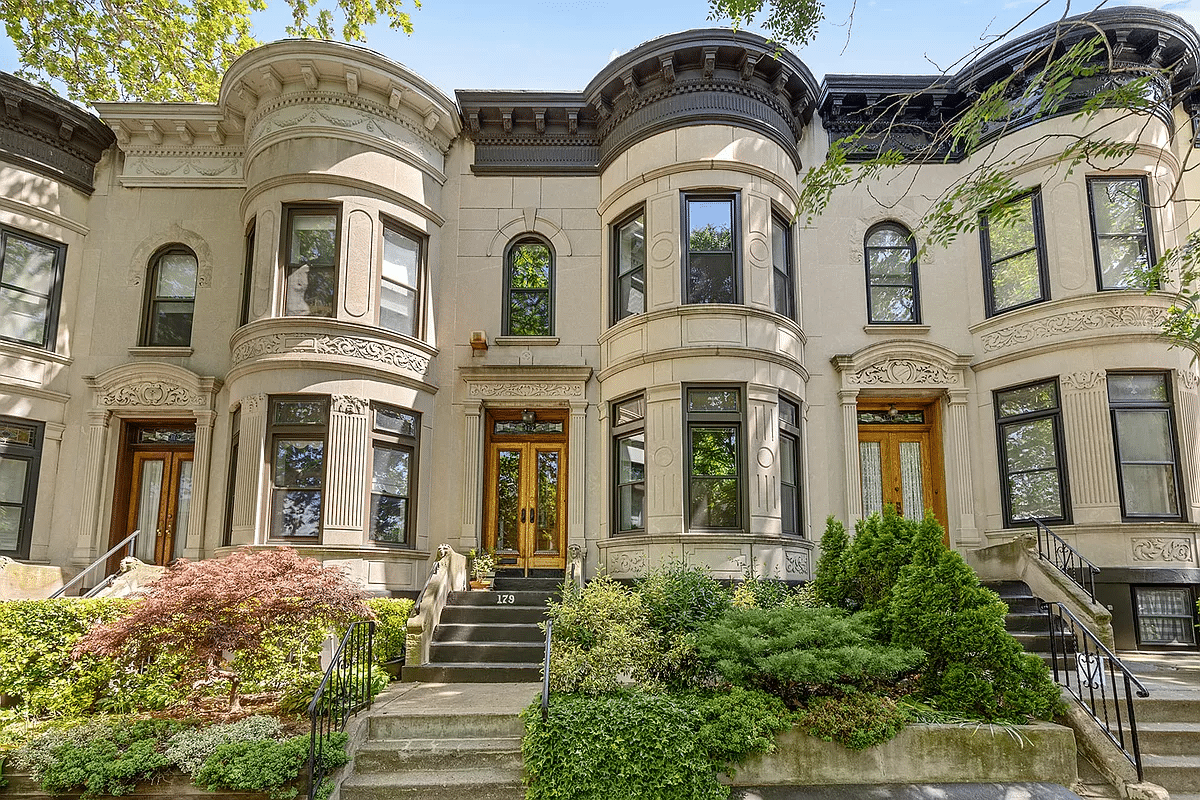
(345, 690)
(546, 671)
(1096, 678)
(1067, 559)
(129, 541)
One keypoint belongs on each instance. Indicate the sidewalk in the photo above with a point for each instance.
(440, 699)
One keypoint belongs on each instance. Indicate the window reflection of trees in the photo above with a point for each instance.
(508, 499)
(529, 279)
(547, 502)
(1030, 434)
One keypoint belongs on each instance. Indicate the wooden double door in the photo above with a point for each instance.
(525, 479)
(154, 489)
(899, 451)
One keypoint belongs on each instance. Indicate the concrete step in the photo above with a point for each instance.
(1007, 589)
(432, 754)
(1169, 738)
(448, 784)
(474, 673)
(1024, 605)
(1174, 773)
(488, 615)
(486, 653)
(405, 727)
(1157, 708)
(510, 583)
(1021, 621)
(499, 598)
(495, 632)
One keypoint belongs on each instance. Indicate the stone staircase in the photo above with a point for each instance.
(1168, 725)
(1025, 620)
(490, 636)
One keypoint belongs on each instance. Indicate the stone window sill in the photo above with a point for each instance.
(895, 330)
(532, 341)
(162, 352)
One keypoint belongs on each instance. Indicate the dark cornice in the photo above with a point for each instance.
(907, 112)
(698, 77)
(50, 136)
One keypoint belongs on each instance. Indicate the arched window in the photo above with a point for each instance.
(892, 291)
(529, 288)
(170, 298)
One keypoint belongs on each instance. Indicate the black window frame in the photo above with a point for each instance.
(709, 419)
(422, 242)
(793, 432)
(288, 263)
(1167, 405)
(1193, 618)
(297, 432)
(735, 201)
(619, 432)
(621, 223)
(787, 275)
(914, 282)
(384, 439)
(1060, 451)
(248, 271)
(152, 298)
(53, 299)
(1039, 248)
(1147, 221)
(506, 322)
(235, 441)
(31, 454)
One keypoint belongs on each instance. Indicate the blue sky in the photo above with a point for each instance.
(561, 44)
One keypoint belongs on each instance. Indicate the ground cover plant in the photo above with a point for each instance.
(894, 628)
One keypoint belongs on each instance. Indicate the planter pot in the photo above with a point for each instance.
(393, 667)
(479, 584)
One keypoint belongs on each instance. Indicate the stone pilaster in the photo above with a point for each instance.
(960, 483)
(1188, 419)
(853, 487)
(577, 474)
(247, 498)
(193, 546)
(93, 477)
(762, 445)
(472, 476)
(1089, 442)
(346, 457)
(664, 459)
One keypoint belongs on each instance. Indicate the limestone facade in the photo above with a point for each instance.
(341, 310)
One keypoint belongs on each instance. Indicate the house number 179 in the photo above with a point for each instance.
(506, 599)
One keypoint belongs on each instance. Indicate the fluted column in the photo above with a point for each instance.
(247, 498)
(193, 546)
(1089, 441)
(577, 475)
(472, 476)
(345, 489)
(763, 469)
(961, 483)
(94, 470)
(849, 401)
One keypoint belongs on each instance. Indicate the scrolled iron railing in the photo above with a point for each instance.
(1091, 673)
(345, 690)
(1067, 559)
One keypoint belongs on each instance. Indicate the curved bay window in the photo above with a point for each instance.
(1033, 479)
(1147, 458)
(629, 267)
(529, 288)
(629, 459)
(310, 261)
(789, 468)
(170, 298)
(393, 474)
(892, 289)
(399, 299)
(20, 460)
(297, 441)
(714, 456)
(711, 244)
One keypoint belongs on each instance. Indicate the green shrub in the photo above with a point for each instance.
(856, 721)
(974, 667)
(827, 581)
(871, 564)
(758, 592)
(602, 640)
(391, 626)
(796, 652)
(679, 598)
(738, 722)
(190, 748)
(108, 759)
(288, 654)
(266, 765)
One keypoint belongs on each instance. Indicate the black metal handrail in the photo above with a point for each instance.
(1067, 559)
(1090, 671)
(345, 690)
(546, 671)
(129, 541)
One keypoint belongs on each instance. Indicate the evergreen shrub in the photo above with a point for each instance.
(827, 581)
(391, 626)
(856, 721)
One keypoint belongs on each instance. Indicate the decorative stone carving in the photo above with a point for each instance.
(523, 390)
(796, 562)
(574, 552)
(254, 402)
(350, 404)
(1162, 549)
(150, 393)
(1189, 379)
(217, 167)
(345, 346)
(627, 563)
(1093, 319)
(168, 235)
(1085, 379)
(903, 371)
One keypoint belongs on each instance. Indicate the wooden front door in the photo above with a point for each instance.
(525, 512)
(155, 491)
(899, 450)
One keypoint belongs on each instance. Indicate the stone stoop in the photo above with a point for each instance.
(1169, 735)
(465, 756)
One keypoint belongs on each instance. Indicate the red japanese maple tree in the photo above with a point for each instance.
(207, 609)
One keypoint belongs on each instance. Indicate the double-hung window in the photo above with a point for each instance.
(20, 458)
(1147, 458)
(399, 299)
(30, 284)
(1121, 239)
(170, 298)
(629, 266)
(892, 289)
(711, 244)
(1032, 465)
(247, 274)
(235, 443)
(713, 420)
(789, 468)
(1014, 255)
(782, 269)
(297, 439)
(310, 261)
(393, 474)
(528, 288)
(629, 458)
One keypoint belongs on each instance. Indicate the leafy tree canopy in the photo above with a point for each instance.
(157, 50)
(791, 23)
